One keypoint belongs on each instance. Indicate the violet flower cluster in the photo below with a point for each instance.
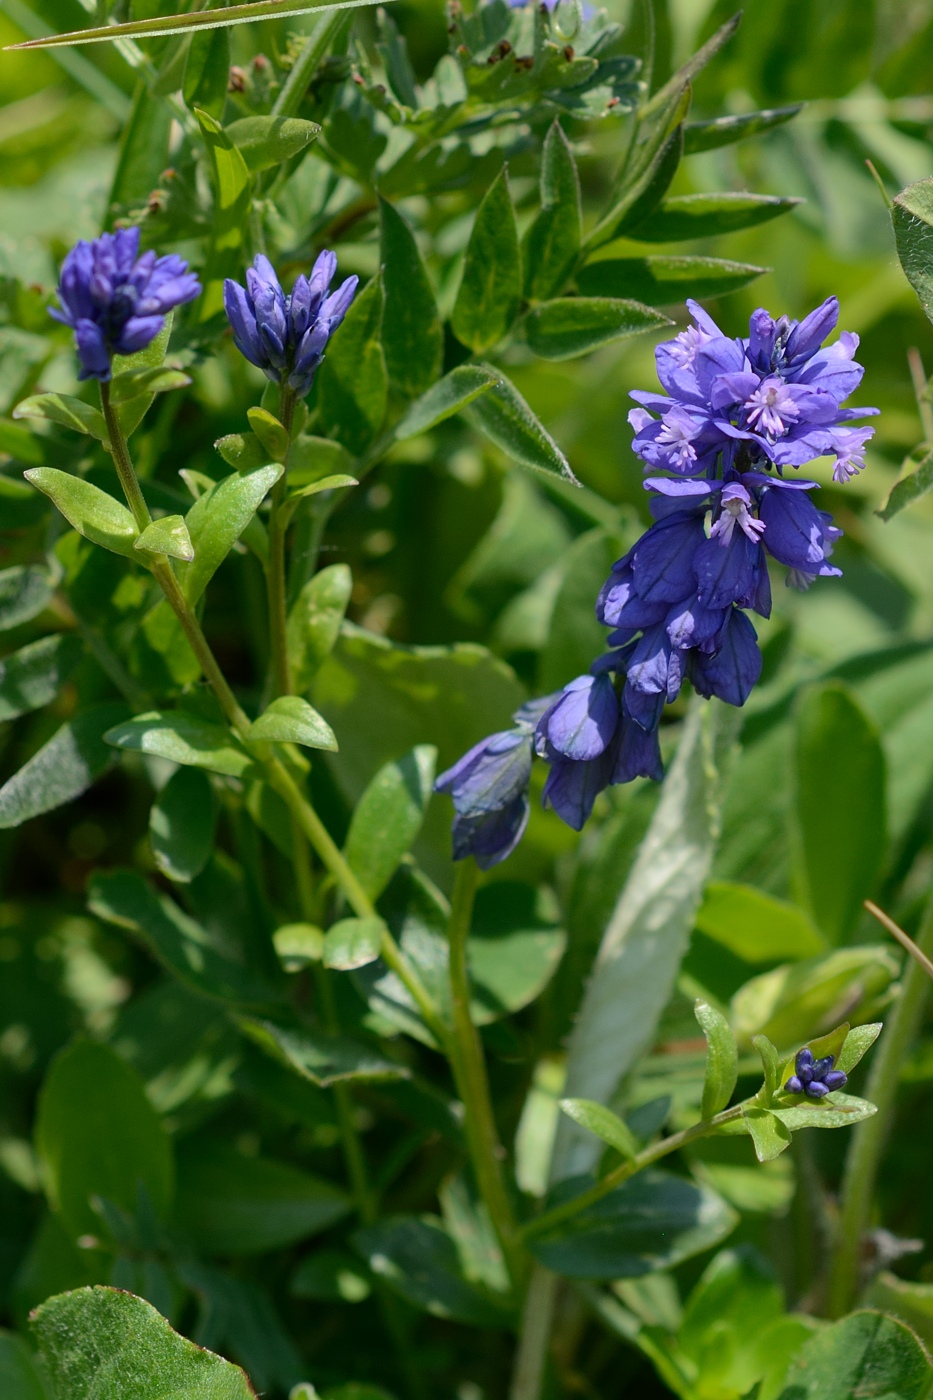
(736, 415)
(285, 335)
(815, 1078)
(115, 300)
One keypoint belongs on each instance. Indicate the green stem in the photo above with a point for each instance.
(123, 463)
(469, 1066)
(868, 1138)
(324, 34)
(275, 569)
(535, 1336)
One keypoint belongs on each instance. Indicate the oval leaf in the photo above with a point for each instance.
(181, 825)
(604, 1123)
(217, 520)
(264, 142)
(167, 536)
(32, 676)
(291, 720)
(388, 817)
(94, 514)
(722, 1059)
(65, 766)
(352, 943)
(183, 738)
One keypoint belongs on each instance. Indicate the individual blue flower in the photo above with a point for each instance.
(581, 721)
(815, 1078)
(285, 335)
(115, 300)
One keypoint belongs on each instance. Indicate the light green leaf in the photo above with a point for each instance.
(33, 676)
(448, 396)
(604, 1123)
(503, 416)
(65, 410)
(20, 1377)
(572, 326)
(857, 1043)
(755, 926)
(647, 934)
(151, 379)
(231, 209)
(291, 720)
(327, 483)
(769, 1135)
(169, 535)
(660, 281)
(412, 336)
(297, 945)
(98, 1135)
(686, 216)
(181, 825)
(25, 591)
(352, 943)
(912, 215)
(94, 514)
(324, 1059)
(64, 768)
(865, 1352)
(183, 738)
(792, 1002)
(910, 488)
(353, 381)
(771, 1065)
(734, 1303)
(840, 808)
(552, 242)
(838, 1111)
(243, 451)
(722, 1059)
(314, 621)
(388, 817)
(269, 141)
(417, 1258)
(98, 1341)
(724, 131)
(313, 458)
(491, 286)
(217, 520)
(271, 433)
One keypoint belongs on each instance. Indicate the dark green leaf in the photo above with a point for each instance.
(94, 514)
(291, 720)
(724, 131)
(207, 71)
(513, 950)
(33, 676)
(265, 142)
(412, 337)
(640, 198)
(448, 396)
(181, 825)
(912, 214)
(143, 151)
(20, 1377)
(866, 1353)
(314, 621)
(661, 280)
(910, 488)
(65, 766)
(552, 243)
(217, 520)
(491, 287)
(503, 416)
(654, 1221)
(840, 808)
(352, 381)
(231, 211)
(575, 635)
(572, 326)
(329, 1276)
(755, 926)
(686, 216)
(608, 1126)
(98, 1136)
(388, 817)
(65, 410)
(183, 738)
(98, 1341)
(911, 1302)
(324, 1059)
(722, 1059)
(417, 1258)
(169, 535)
(25, 592)
(352, 943)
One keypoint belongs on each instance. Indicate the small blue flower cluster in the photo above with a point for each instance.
(736, 414)
(815, 1078)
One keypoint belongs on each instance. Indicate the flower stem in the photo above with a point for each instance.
(869, 1137)
(469, 1066)
(275, 569)
(535, 1335)
(120, 452)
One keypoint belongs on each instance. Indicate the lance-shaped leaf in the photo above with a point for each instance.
(217, 520)
(771, 1065)
(912, 215)
(231, 212)
(352, 943)
(643, 195)
(271, 433)
(418, 1259)
(725, 131)
(552, 243)
(327, 483)
(65, 410)
(572, 326)
(685, 216)
(150, 379)
(722, 1059)
(33, 676)
(323, 1059)
(65, 766)
(604, 1123)
(105, 1340)
(661, 280)
(207, 71)
(412, 336)
(94, 514)
(314, 621)
(352, 382)
(167, 536)
(388, 817)
(491, 286)
(183, 738)
(910, 488)
(450, 395)
(291, 720)
(857, 1043)
(181, 825)
(265, 142)
(503, 416)
(25, 591)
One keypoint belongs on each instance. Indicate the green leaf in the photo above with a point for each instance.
(686, 216)
(857, 1043)
(207, 71)
(25, 592)
(181, 825)
(661, 280)
(204, 959)
(768, 1134)
(755, 926)
(243, 451)
(271, 433)
(314, 621)
(291, 720)
(503, 416)
(20, 1377)
(910, 488)
(724, 131)
(149, 379)
(33, 676)
(575, 635)
(217, 520)
(183, 738)
(737, 1299)
(298, 945)
(840, 808)
(94, 514)
(771, 1065)
(653, 1221)
(231, 1204)
(839, 1111)
(352, 943)
(412, 336)
(641, 197)
(604, 1123)
(323, 1059)
(417, 1258)
(327, 483)
(269, 141)
(98, 1341)
(314, 458)
(912, 216)
(65, 410)
(388, 818)
(231, 210)
(353, 382)
(330, 1276)
(647, 933)
(491, 286)
(572, 326)
(513, 949)
(143, 152)
(791, 1002)
(169, 535)
(865, 1353)
(98, 1136)
(722, 1059)
(64, 768)
(21, 444)
(912, 1303)
(552, 242)
(448, 396)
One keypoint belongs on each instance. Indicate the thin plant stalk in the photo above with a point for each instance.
(275, 569)
(535, 1335)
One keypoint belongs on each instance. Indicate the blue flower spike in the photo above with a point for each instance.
(815, 1078)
